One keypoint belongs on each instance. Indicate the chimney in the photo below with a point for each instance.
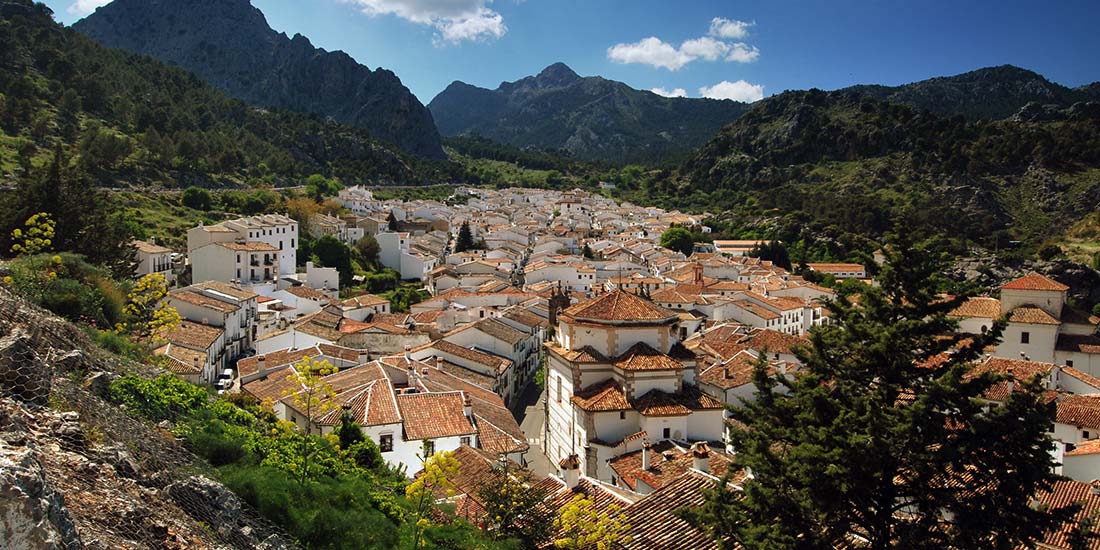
(647, 448)
(1094, 487)
(1011, 381)
(1053, 379)
(700, 457)
(408, 356)
(467, 406)
(571, 471)
(439, 363)
(424, 373)
(412, 376)
(262, 369)
(364, 357)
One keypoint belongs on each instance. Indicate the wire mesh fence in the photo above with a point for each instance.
(89, 475)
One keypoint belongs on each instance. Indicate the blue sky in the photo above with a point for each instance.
(725, 49)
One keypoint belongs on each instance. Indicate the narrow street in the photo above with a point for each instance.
(529, 413)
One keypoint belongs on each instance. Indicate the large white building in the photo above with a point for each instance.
(277, 231)
(618, 373)
(1041, 327)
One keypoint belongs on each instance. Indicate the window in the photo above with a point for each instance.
(385, 443)
(1025, 337)
(666, 433)
(291, 243)
(1069, 362)
(465, 441)
(559, 389)
(1084, 434)
(622, 415)
(429, 448)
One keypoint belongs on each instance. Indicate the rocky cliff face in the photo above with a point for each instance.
(77, 472)
(590, 117)
(229, 44)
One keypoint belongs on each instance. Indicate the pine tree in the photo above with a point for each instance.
(465, 239)
(883, 436)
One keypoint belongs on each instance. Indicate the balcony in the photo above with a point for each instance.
(269, 262)
(255, 262)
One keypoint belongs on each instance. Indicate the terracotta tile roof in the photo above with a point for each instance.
(655, 523)
(757, 310)
(1019, 370)
(433, 415)
(835, 267)
(1035, 281)
(526, 318)
(182, 361)
(497, 430)
(1087, 447)
(774, 341)
(249, 246)
(500, 331)
(979, 306)
(1078, 343)
(303, 291)
(601, 397)
(364, 300)
(1033, 316)
(618, 305)
(659, 403)
(641, 356)
(350, 326)
(227, 289)
(1078, 410)
(195, 298)
(151, 248)
(1065, 493)
(282, 358)
(667, 462)
(586, 354)
(735, 372)
(1083, 377)
(194, 335)
(498, 364)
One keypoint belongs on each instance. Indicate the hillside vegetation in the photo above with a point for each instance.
(133, 121)
(843, 166)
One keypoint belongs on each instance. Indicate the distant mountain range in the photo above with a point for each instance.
(590, 117)
(229, 44)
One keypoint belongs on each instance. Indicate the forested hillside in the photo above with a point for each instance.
(131, 121)
(843, 166)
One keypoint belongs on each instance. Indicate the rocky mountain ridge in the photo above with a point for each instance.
(229, 44)
(588, 117)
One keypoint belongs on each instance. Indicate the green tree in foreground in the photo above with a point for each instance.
(679, 240)
(147, 316)
(433, 480)
(883, 435)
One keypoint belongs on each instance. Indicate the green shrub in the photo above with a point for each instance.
(166, 397)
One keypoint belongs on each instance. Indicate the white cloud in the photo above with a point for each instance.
(677, 92)
(657, 53)
(455, 20)
(650, 51)
(737, 91)
(743, 53)
(725, 28)
(705, 48)
(84, 7)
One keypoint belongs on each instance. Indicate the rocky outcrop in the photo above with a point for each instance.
(77, 472)
(589, 117)
(229, 44)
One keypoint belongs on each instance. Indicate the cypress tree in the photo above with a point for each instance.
(465, 239)
(883, 435)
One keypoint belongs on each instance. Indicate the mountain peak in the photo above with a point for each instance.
(229, 44)
(559, 73)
